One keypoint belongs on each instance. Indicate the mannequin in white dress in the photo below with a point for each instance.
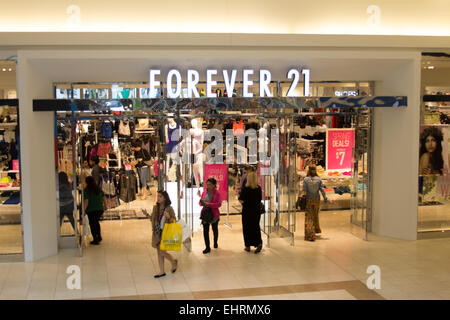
(197, 137)
(263, 139)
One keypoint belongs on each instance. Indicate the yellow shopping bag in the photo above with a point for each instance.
(171, 237)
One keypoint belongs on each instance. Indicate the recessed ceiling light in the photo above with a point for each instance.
(9, 69)
(4, 69)
(430, 67)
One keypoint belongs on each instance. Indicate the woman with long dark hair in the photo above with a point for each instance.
(431, 161)
(162, 213)
(66, 203)
(93, 206)
(211, 198)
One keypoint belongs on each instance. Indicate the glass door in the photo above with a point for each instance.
(286, 181)
(361, 175)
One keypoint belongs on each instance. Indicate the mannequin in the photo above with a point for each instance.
(263, 139)
(171, 142)
(197, 136)
(282, 126)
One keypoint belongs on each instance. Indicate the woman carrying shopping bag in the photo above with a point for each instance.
(162, 213)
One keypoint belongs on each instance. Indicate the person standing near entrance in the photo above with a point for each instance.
(66, 203)
(250, 198)
(312, 184)
(162, 213)
(93, 206)
(98, 169)
(211, 198)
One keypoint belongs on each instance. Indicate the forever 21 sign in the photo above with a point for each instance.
(174, 81)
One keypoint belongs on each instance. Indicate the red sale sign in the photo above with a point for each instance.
(220, 173)
(340, 144)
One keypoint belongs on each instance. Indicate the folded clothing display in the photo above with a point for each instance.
(342, 190)
(13, 199)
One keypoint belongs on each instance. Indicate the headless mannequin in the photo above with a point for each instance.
(197, 136)
(263, 139)
(171, 148)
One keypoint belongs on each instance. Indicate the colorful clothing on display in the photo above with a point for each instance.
(103, 149)
(171, 146)
(238, 128)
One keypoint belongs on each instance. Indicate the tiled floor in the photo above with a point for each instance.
(334, 267)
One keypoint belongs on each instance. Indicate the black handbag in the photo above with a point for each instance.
(302, 202)
(207, 215)
(262, 208)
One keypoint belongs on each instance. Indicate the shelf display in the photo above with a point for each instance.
(10, 182)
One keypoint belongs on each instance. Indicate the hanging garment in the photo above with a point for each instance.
(155, 168)
(108, 187)
(106, 130)
(103, 149)
(142, 124)
(93, 152)
(171, 146)
(128, 187)
(238, 128)
(124, 128)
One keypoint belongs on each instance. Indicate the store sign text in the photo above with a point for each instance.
(174, 81)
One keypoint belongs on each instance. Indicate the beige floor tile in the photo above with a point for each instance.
(68, 295)
(125, 263)
(337, 295)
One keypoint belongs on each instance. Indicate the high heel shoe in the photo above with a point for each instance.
(176, 266)
(258, 249)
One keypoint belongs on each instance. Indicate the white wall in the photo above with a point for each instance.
(37, 165)
(396, 149)
(396, 130)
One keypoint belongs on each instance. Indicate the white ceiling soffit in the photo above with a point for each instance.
(40, 39)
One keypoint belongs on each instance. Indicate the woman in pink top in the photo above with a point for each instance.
(211, 198)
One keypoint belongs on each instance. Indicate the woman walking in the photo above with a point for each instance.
(93, 206)
(211, 198)
(250, 198)
(312, 184)
(162, 213)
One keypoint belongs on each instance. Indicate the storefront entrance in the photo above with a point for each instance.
(291, 136)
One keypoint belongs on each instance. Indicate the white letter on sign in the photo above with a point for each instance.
(264, 81)
(170, 92)
(192, 80)
(210, 83)
(306, 79)
(246, 83)
(229, 84)
(293, 73)
(153, 83)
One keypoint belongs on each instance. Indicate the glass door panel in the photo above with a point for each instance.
(361, 174)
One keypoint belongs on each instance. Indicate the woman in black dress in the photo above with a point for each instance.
(250, 198)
